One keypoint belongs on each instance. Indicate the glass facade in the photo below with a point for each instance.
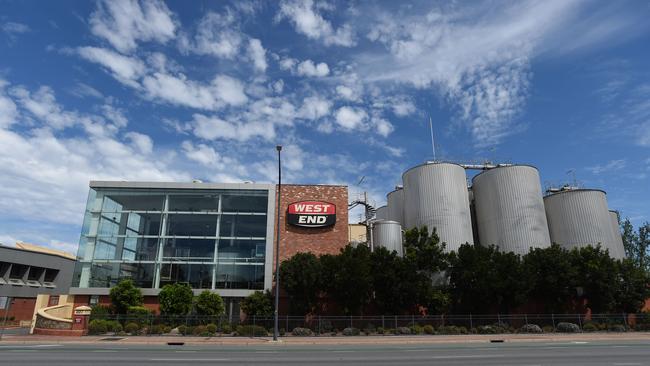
(210, 239)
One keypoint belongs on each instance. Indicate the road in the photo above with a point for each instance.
(624, 353)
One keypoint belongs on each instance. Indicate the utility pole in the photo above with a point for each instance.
(277, 250)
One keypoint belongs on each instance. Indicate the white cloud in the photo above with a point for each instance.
(82, 90)
(13, 28)
(403, 108)
(115, 115)
(213, 128)
(382, 126)
(8, 110)
(304, 16)
(43, 106)
(141, 142)
(125, 22)
(257, 53)
(314, 108)
(612, 165)
(309, 68)
(351, 118)
(278, 86)
(346, 92)
(200, 153)
(292, 157)
(124, 68)
(215, 35)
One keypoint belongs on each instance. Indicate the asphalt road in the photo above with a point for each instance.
(538, 353)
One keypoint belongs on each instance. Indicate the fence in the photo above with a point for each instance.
(386, 324)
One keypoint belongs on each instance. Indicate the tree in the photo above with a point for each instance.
(596, 276)
(209, 304)
(258, 304)
(637, 245)
(552, 277)
(425, 250)
(125, 295)
(300, 278)
(631, 287)
(176, 299)
(347, 279)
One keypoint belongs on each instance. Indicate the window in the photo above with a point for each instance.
(241, 203)
(189, 249)
(243, 226)
(196, 275)
(191, 225)
(17, 271)
(50, 274)
(204, 203)
(140, 249)
(134, 202)
(35, 273)
(246, 276)
(140, 273)
(230, 248)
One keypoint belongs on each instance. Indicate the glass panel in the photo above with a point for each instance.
(205, 203)
(191, 225)
(143, 224)
(230, 248)
(50, 275)
(133, 202)
(103, 275)
(197, 275)
(35, 273)
(240, 276)
(110, 225)
(243, 226)
(105, 248)
(140, 249)
(239, 203)
(140, 273)
(17, 271)
(189, 249)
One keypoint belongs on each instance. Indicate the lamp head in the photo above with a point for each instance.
(278, 147)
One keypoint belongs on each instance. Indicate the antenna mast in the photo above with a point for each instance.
(433, 142)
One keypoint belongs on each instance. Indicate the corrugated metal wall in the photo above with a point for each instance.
(382, 213)
(509, 209)
(387, 234)
(618, 250)
(435, 195)
(580, 217)
(396, 206)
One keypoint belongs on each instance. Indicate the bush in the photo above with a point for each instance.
(209, 304)
(530, 328)
(565, 327)
(282, 332)
(211, 328)
(590, 327)
(351, 332)
(326, 326)
(124, 295)
(114, 326)
(132, 328)
(99, 312)
(428, 329)
(139, 314)
(97, 326)
(449, 329)
(416, 329)
(166, 329)
(251, 331)
(301, 332)
(548, 329)
(403, 330)
(176, 299)
(182, 329)
(155, 329)
(616, 328)
(258, 304)
(226, 328)
(380, 330)
(199, 330)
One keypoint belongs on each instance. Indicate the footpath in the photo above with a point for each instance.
(327, 340)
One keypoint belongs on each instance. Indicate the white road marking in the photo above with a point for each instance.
(188, 359)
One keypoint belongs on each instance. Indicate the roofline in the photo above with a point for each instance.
(37, 252)
(177, 185)
(430, 163)
(577, 190)
(505, 167)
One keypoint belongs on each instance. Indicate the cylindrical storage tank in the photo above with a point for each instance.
(578, 218)
(510, 209)
(381, 213)
(396, 205)
(435, 195)
(618, 251)
(387, 234)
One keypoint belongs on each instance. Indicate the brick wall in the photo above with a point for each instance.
(22, 308)
(328, 240)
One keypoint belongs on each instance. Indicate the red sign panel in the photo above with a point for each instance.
(311, 214)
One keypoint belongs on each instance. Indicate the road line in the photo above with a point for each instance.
(188, 359)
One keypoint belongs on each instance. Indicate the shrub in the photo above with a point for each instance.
(182, 329)
(530, 328)
(166, 329)
(114, 326)
(428, 329)
(199, 329)
(403, 330)
(416, 329)
(449, 329)
(380, 330)
(616, 328)
(176, 299)
(301, 332)
(226, 328)
(326, 326)
(209, 304)
(97, 326)
(590, 327)
(155, 329)
(132, 328)
(138, 314)
(282, 332)
(351, 332)
(565, 327)
(99, 312)
(124, 295)
(211, 328)
(258, 304)
(251, 331)
(548, 329)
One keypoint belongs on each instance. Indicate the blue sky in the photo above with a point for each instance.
(127, 90)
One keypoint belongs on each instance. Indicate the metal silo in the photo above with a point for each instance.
(387, 234)
(381, 213)
(435, 195)
(580, 217)
(618, 251)
(396, 205)
(509, 209)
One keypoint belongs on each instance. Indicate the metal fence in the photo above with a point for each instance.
(386, 324)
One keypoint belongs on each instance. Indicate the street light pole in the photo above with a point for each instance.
(277, 250)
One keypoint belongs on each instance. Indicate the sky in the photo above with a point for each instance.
(175, 91)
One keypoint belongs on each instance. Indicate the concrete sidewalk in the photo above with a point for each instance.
(328, 340)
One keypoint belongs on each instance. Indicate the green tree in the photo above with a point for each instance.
(347, 279)
(209, 304)
(258, 304)
(176, 299)
(552, 277)
(425, 250)
(596, 276)
(300, 278)
(124, 295)
(632, 287)
(637, 244)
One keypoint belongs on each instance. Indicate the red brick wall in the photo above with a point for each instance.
(22, 308)
(150, 302)
(327, 240)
